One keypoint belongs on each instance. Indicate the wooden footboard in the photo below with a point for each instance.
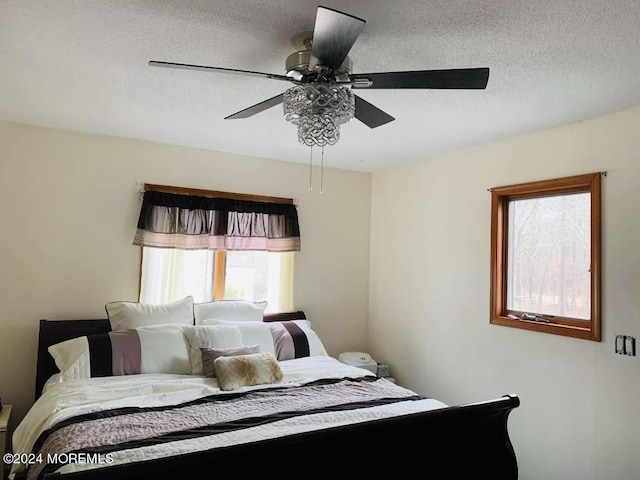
(460, 442)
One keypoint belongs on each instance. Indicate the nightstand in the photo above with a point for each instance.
(5, 415)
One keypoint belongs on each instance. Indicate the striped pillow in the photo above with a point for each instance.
(292, 340)
(151, 349)
(286, 340)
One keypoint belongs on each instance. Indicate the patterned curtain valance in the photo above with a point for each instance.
(193, 222)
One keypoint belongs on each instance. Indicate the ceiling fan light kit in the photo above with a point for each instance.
(318, 109)
(322, 97)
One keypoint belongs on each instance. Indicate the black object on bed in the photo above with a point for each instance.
(458, 442)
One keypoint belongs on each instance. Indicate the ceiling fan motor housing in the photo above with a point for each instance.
(297, 66)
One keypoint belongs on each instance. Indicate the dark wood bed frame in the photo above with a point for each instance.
(469, 441)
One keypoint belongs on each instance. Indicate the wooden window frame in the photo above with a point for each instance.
(220, 259)
(500, 198)
(214, 194)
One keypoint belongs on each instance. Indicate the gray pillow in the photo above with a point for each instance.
(209, 356)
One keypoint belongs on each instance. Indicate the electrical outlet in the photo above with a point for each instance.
(630, 345)
(626, 345)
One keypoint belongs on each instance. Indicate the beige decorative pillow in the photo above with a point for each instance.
(246, 370)
(209, 356)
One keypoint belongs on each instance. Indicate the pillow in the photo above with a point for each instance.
(295, 339)
(210, 336)
(246, 370)
(124, 315)
(230, 310)
(286, 340)
(152, 349)
(53, 379)
(209, 356)
(252, 333)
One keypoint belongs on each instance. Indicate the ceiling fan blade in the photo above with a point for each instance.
(257, 108)
(461, 78)
(186, 66)
(371, 115)
(333, 36)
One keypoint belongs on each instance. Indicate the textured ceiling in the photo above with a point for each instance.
(82, 65)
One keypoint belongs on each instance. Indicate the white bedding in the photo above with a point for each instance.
(62, 400)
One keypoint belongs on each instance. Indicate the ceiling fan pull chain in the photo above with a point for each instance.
(310, 167)
(322, 171)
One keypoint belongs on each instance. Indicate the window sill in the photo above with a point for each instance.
(553, 328)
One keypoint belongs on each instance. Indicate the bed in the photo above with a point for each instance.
(325, 418)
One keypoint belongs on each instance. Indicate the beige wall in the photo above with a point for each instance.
(69, 204)
(429, 298)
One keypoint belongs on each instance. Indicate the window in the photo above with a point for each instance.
(545, 256)
(171, 274)
(215, 245)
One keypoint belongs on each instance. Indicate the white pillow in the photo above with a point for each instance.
(210, 336)
(53, 379)
(286, 340)
(230, 310)
(151, 349)
(123, 315)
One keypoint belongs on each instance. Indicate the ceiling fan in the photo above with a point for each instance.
(322, 98)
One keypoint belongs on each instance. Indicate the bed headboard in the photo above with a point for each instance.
(56, 331)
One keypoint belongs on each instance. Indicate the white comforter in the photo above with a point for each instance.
(62, 400)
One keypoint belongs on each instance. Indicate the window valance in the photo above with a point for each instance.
(193, 222)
